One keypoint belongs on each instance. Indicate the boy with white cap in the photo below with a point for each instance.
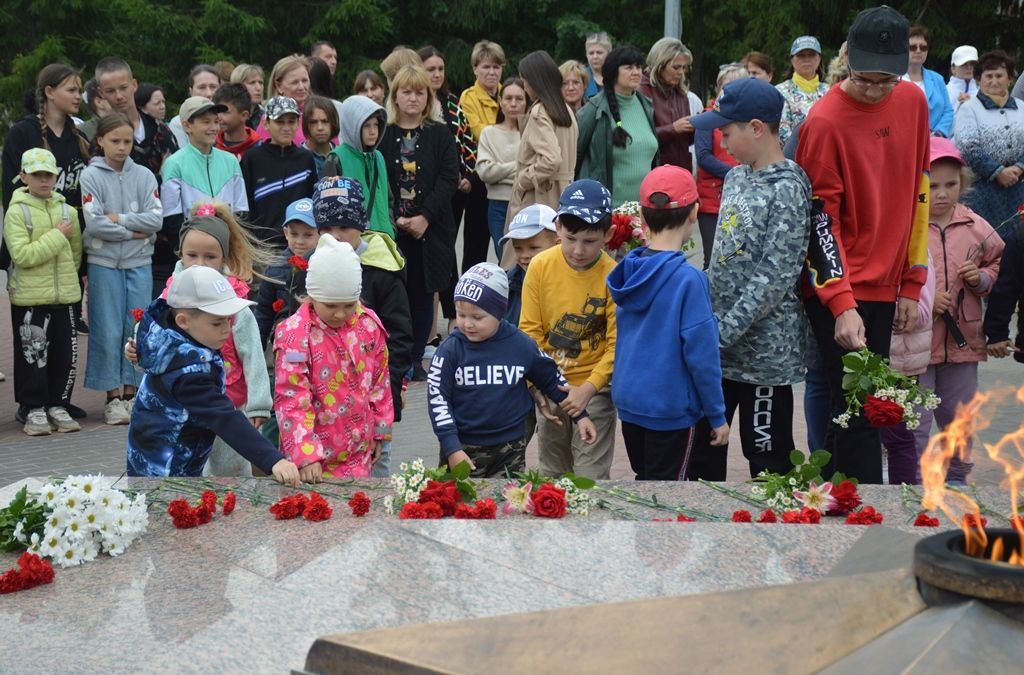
(477, 387)
(530, 232)
(962, 86)
(332, 391)
(181, 404)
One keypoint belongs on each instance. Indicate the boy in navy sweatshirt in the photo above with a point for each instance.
(477, 388)
(667, 371)
(181, 404)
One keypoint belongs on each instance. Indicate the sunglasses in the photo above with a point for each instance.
(918, 48)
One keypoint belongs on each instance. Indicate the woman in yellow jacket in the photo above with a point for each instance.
(44, 240)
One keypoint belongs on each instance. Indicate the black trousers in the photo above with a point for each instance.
(657, 455)
(45, 355)
(707, 222)
(476, 236)
(766, 431)
(856, 450)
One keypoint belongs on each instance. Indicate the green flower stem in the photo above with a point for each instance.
(653, 503)
(735, 494)
(985, 510)
(617, 510)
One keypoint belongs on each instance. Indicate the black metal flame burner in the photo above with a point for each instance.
(947, 575)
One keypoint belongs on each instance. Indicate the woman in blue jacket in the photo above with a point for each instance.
(940, 110)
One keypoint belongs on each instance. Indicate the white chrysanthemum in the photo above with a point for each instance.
(58, 518)
(403, 467)
(19, 531)
(73, 499)
(48, 495)
(34, 543)
(69, 554)
(75, 527)
(90, 485)
(389, 505)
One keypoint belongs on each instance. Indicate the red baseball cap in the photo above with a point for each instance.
(674, 182)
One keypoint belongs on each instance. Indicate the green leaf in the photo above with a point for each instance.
(796, 458)
(461, 470)
(581, 482)
(864, 383)
(820, 458)
(654, 498)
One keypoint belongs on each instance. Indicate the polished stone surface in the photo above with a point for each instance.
(247, 593)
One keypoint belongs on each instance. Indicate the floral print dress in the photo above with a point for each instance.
(332, 394)
(798, 104)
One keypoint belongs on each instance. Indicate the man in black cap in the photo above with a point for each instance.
(864, 146)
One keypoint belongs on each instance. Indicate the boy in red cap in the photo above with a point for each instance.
(667, 374)
(754, 271)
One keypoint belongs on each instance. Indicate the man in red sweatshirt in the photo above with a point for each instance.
(864, 146)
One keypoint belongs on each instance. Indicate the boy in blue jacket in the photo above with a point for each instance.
(181, 405)
(477, 389)
(667, 371)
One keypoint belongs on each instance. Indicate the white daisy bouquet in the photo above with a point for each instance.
(412, 478)
(73, 520)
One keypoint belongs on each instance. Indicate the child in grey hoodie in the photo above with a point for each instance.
(122, 212)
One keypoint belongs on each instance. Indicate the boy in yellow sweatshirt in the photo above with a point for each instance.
(568, 310)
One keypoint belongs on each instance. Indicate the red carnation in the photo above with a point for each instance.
(767, 516)
(742, 517)
(662, 520)
(1017, 522)
(805, 516)
(975, 521)
(287, 508)
(417, 511)
(683, 518)
(444, 494)
(229, 503)
(924, 520)
(846, 498)
(209, 499)
(549, 501)
(277, 305)
(866, 516)
(205, 513)
(360, 504)
(138, 313)
(299, 262)
(882, 412)
(317, 509)
(33, 571)
(482, 510)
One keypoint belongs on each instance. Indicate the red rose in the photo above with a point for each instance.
(846, 498)
(317, 509)
(209, 499)
(277, 305)
(882, 412)
(287, 508)
(866, 516)
(299, 262)
(767, 516)
(138, 313)
(229, 503)
(549, 501)
(924, 520)
(682, 518)
(417, 511)
(741, 517)
(360, 504)
(977, 522)
(444, 494)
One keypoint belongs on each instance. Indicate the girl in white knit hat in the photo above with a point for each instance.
(332, 395)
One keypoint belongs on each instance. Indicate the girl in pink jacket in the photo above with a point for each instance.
(332, 394)
(966, 253)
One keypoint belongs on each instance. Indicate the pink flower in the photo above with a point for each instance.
(517, 499)
(817, 497)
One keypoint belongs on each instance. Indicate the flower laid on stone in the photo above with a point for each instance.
(412, 478)
(817, 497)
(846, 497)
(767, 516)
(360, 504)
(975, 521)
(886, 396)
(517, 498)
(185, 516)
(445, 494)
(417, 511)
(290, 507)
(485, 509)
(32, 571)
(73, 520)
(866, 516)
(317, 508)
(785, 492)
(1017, 522)
(520, 495)
(683, 518)
(806, 516)
(549, 501)
(742, 517)
(924, 520)
(229, 503)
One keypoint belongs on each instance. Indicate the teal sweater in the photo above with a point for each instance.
(631, 163)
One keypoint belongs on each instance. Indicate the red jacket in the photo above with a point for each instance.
(251, 139)
(709, 186)
(868, 167)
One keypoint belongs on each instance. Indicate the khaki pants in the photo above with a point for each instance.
(561, 450)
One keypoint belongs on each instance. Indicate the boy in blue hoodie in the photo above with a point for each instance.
(181, 405)
(477, 389)
(667, 372)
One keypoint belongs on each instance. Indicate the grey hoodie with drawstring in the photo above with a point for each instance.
(132, 195)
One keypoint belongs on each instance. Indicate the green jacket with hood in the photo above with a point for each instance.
(366, 166)
(45, 262)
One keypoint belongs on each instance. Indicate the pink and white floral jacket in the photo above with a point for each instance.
(332, 394)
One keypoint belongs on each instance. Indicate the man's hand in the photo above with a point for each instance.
(544, 407)
(1001, 350)
(458, 457)
(588, 432)
(970, 273)
(287, 473)
(906, 315)
(720, 435)
(312, 473)
(578, 398)
(943, 301)
(850, 331)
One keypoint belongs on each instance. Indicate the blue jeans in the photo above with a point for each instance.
(496, 212)
(817, 407)
(113, 293)
(382, 469)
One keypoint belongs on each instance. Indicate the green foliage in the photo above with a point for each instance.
(20, 509)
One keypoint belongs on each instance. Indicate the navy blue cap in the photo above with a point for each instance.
(586, 199)
(338, 201)
(742, 101)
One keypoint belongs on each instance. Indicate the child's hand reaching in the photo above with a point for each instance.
(544, 407)
(287, 473)
(312, 473)
(588, 432)
(720, 435)
(130, 352)
(458, 457)
(576, 402)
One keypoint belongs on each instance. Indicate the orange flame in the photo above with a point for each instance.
(954, 441)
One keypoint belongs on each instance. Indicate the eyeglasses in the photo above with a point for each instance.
(918, 48)
(882, 85)
(571, 84)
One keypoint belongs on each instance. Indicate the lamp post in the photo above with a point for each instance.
(673, 19)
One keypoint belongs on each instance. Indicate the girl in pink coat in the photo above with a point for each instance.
(965, 251)
(332, 394)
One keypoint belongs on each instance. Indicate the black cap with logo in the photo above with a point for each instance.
(879, 42)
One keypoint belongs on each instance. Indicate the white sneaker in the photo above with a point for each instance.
(114, 412)
(2, 377)
(36, 423)
(61, 420)
(128, 406)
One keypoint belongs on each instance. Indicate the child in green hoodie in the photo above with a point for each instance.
(357, 157)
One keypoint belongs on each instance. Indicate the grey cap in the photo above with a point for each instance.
(197, 105)
(281, 105)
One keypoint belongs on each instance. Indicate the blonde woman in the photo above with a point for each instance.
(598, 46)
(290, 77)
(664, 82)
(574, 82)
(251, 77)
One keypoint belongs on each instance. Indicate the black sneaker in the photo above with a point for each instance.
(21, 415)
(81, 327)
(418, 374)
(76, 412)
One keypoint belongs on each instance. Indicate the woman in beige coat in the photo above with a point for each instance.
(547, 152)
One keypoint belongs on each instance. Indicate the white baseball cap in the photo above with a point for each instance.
(531, 221)
(963, 54)
(205, 289)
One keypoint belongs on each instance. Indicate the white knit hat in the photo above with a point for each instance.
(334, 273)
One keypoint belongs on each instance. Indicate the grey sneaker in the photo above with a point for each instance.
(115, 412)
(61, 420)
(36, 423)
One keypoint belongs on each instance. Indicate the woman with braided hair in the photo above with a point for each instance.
(618, 143)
